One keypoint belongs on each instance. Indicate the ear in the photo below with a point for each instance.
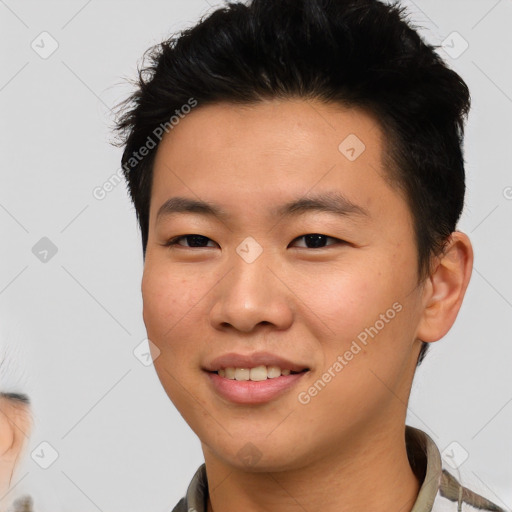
(444, 289)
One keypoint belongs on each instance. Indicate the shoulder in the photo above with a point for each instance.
(452, 496)
(181, 506)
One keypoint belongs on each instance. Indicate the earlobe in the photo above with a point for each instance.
(445, 288)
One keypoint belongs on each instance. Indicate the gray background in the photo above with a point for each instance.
(76, 318)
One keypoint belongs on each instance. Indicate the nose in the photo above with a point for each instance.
(252, 295)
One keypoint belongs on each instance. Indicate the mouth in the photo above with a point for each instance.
(252, 386)
(256, 373)
(253, 378)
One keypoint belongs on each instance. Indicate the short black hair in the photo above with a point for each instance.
(19, 398)
(355, 53)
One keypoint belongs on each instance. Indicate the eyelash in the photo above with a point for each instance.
(174, 241)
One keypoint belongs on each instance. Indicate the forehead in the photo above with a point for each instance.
(271, 153)
(292, 129)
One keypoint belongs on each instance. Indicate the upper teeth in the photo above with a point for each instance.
(256, 373)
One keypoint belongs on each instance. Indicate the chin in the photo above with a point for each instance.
(258, 453)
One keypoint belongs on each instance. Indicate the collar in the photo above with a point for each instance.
(424, 458)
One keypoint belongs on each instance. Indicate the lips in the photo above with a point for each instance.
(234, 360)
(257, 390)
(248, 392)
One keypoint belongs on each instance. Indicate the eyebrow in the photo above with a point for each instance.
(327, 202)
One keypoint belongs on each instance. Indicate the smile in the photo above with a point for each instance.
(240, 387)
(257, 373)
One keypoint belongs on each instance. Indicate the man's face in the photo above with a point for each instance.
(252, 282)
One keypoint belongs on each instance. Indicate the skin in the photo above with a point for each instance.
(304, 303)
(15, 425)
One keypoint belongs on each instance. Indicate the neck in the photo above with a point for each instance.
(371, 473)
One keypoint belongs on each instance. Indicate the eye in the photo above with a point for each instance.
(195, 241)
(312, 240)
(317, 240)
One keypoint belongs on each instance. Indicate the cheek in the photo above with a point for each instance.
(345, 301)
(367, 310)
(167, 297)
(173, 313)
(6, 430)
(367, 355)
(168, 316)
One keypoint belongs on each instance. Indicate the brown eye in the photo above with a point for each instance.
(316, 240)
(193, 240)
